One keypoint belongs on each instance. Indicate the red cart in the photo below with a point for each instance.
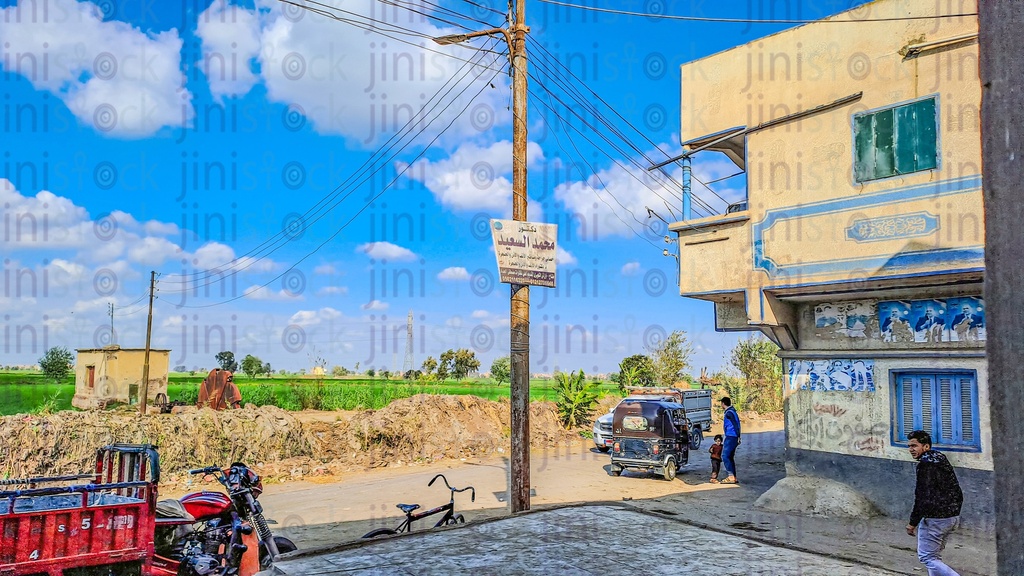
(102, 528)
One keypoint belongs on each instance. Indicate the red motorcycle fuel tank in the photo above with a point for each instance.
(204, 505)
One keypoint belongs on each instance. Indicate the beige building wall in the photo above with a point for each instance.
(803, 200)
(114, 374)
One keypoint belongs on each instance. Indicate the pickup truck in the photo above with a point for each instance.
(696, 402)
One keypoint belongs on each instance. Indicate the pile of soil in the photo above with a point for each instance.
(278, 444)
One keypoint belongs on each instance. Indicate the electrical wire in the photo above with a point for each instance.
(372, 199)
(752, 20)
(320, 209)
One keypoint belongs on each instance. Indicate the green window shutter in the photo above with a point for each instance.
(927, 140)
(884, 143)
(864, 148)
(907, 139)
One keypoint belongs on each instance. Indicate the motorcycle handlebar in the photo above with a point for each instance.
(207, 470)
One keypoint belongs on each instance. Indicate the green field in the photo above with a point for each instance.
(26, 392)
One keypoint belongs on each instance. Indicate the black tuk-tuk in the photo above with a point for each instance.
(650, 435)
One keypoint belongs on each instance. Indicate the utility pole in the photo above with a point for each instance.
(1001, 66)
(144, 389)
(113, 340)
(520, 307)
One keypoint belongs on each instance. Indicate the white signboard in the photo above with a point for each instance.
(525, 251)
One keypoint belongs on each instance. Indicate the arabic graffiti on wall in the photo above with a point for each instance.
(832, 375)
(830, 427)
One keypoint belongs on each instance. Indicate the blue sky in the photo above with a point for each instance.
(265, 161)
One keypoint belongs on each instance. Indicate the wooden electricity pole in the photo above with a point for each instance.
(520, 306)
(144, 389)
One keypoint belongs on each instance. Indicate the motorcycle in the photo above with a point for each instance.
(216, 534)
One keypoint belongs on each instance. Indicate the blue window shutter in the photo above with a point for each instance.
(927, 407)
(967, 410)
(944, 426)
(907, 407)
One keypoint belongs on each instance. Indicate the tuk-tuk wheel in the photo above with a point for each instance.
(616, 469)
(670, 469)
(696, 437)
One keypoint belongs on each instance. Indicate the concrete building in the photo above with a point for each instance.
(859, 248)
(114, 374)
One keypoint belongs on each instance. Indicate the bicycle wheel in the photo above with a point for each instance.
(380, 532)
(457, 519)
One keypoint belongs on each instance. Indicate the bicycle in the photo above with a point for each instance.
(450, 518)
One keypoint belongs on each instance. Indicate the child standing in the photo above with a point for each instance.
(716, 458)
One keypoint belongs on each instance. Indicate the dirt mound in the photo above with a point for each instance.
(422, 428)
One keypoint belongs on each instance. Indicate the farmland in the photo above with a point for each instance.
(29, 392)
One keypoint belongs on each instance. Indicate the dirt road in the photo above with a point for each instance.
(319, 514)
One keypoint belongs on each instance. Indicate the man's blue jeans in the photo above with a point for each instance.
(931, 539)
(728, 453)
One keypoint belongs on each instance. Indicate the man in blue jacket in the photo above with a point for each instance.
(731, 423)
(937, 502)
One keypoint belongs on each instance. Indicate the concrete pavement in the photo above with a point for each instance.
(587, 539)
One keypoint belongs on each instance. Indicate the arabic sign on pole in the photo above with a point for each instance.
(525, 251)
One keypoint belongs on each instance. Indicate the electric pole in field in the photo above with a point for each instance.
(110, 311)
(519, 309)
(144, 388)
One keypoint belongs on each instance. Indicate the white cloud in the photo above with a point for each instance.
(231, 43)
(333, 291)
(325, 270)
(313, 317)
(479, 314)
(152, 251)
(630, 268)
(111, 75)
(609, 200)
(386, 251)
(474, 177)
(563, 257)
(453, 273)
(264, 293)
(375, 305)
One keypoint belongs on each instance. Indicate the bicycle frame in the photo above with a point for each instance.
(410, 517)
(449, 516)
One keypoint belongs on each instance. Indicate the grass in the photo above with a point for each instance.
(27, 392)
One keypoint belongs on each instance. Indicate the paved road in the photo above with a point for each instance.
(324, 514)
(564, 542)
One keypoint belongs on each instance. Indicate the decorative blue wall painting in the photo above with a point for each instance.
(832, 375)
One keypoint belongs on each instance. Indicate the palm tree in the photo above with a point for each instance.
(575, 398)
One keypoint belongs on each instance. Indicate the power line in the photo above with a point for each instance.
(322, 208)
(371, 200)
(752, 20)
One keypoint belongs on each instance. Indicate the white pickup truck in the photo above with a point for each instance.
(696, 402)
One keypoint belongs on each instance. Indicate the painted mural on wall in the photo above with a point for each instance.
(832, 375)
(967, 319)
(928, 317)
(895, 325)
(933, 321)
(849, 319)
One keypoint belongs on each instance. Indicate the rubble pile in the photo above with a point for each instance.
(278, 444)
